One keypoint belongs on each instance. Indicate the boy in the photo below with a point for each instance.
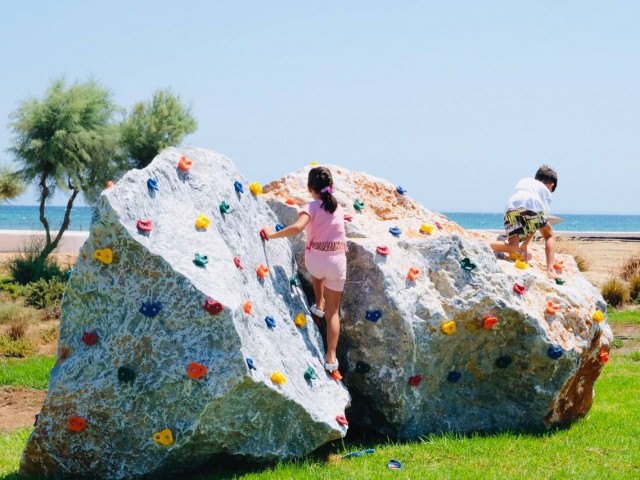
(526, 213)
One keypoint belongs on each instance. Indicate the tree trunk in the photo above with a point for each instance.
(51, 245)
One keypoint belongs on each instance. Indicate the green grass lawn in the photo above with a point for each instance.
(628, 317)
(32, 372)
(605, 444)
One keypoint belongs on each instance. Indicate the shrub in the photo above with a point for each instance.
(615, 292)
(49, 335)
(617, 343)
(16, 348)
(634, 287)
(635, 356)
(51, 314)
(28, 267)
(10, 313)
(581, 262)
(630, 267)
(17, 330)
(44, 294)
(10, 286)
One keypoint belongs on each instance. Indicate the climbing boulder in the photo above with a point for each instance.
(438, 334)
(183, 334)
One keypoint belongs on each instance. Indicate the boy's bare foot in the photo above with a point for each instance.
(551, 274)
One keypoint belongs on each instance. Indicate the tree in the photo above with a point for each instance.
(155, 125)
(10, 184)
(66, 140)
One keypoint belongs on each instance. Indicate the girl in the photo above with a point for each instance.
(325, 253)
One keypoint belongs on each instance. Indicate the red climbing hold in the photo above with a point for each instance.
(212, 306)
(145, 225)
(413, 274)
(438, 225)
(348, 218)
(262, 271)
(603, 355)
(519, 288)
(382, 250)
(184, 163)
(237, 263)
(195, 370)
(263, 235)
(342, 420)
(415, 380)
(76, 424)
(489, 322)
(336, 375)
(290, 201)
(89, 338)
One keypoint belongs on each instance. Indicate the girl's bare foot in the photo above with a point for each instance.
(551, 274)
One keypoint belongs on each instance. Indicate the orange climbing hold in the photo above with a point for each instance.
(262, 271)
(336, 375)
(202, 221)
(552, 307)
(109, 184)
(104, 255)
(184, 163)
(278, 377)
(195, 370)
(489, 322)
(290, 201)
(598, 316)
(255, 188)
(164, 437)
(558, 265)
(448, 328)
(300, 320)
(413, 274)
(426, 229)
(76, 424)
(248, 307)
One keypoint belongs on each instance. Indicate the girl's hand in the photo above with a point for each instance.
(268, 231)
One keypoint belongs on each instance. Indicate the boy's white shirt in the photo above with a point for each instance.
(531, 194)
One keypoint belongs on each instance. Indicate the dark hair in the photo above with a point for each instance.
(319, 179)
(546, 174)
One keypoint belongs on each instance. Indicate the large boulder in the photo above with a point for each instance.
(153, 371)
(456, 348)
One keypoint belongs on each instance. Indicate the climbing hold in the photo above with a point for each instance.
(560, 281)
(467, 264)
(347, 217)
(104, 255)
(293, 281)
(184, 163)
(263, 235)
(262, 271)
(164, 437)
(373, 315)
(552, 307)
(310, 374)
(195, 370)
(126, 374)
(503, 362)
(76, 424)
(519, 288)
(255, 188)
(516, 256)
(237, 263)
(598, 316)
(238, 187)
(558, 265)
(278, 377)
(336, 375)
(603, 355)
(415, 380)
(300, 320)
(89, 338)
(426, 228)
(313, 164)
(248, 307)
(202, 221)
(413, 274)
(489, 322)
(279, 226)
(359, 453)
(448, 328)
(454, 376)
(394, 464)
(150, 309)
(270, 321)
(37, 417)
(438, 225)
(342, 420)
(212, 306)
(395, 231)
(145, 225)
(521, 265)
(382, 250)
(555, 352)
(109, 184)
(225, 207)
(362, 367)
(290, 201)
(152, 184)
(400, 190)
(250, 364)
(358, 205)
(200, 260)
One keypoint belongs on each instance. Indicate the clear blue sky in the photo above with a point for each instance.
(453, 100)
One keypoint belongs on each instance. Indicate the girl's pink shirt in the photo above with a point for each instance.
(324, 226)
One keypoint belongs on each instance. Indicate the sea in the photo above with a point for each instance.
(16, 217)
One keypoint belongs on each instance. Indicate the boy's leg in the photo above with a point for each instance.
(549, 249)
(511, 246)
(525, 245)
(332, 314)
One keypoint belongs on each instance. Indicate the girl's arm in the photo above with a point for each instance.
(289, 231)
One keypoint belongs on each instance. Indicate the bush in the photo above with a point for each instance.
(17, 330)
(49, 335)
(16, 348)
(10, 313)
(630, 268)
(615, 292)
(10, 286)
(51, 314)
(634, 287)
(44, 294)
(581, 262)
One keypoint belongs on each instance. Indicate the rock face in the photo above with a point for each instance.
(160, 367)
(434, 335)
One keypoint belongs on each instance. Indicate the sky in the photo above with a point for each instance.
(455, 101)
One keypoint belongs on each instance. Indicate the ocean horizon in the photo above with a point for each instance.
(26, 217)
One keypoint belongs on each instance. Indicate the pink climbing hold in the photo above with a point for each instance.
(342, 420)
(519, 288)
(145, 225)
(237, 263)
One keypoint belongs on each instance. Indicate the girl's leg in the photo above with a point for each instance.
(318, 290)
(332, 315)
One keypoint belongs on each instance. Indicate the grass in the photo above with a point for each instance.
(628, 317)
(11, 445)
(30, 372)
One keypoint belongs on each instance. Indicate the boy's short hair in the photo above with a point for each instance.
(546, 174)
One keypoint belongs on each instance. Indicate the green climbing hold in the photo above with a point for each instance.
(293, 281)
(560, 281)
(310, 374)
(201, 260)
(126, 374)
(358, 205)
(224, 207)
(467, 264)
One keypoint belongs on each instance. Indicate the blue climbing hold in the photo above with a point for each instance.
(150, 309)
(373, 315)
(395, 231)
(555, 352)
(359, 453)
(279, 226)
(401, 190)
(250, 364)
(271, 323)
(152, 184)
(238, 186)
(394, 464)
(454, 376)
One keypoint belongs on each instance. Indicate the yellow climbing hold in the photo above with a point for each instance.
(598, 316)
(426, 228)
(300, 320)
(104, 255)
(516, 256)
(314, 164)
(521, 265)
(278, 377)
(202, 221)
(255, 188)
(165, 437)
(448, 328)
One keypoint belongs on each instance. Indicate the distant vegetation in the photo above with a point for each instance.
(625, 288)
